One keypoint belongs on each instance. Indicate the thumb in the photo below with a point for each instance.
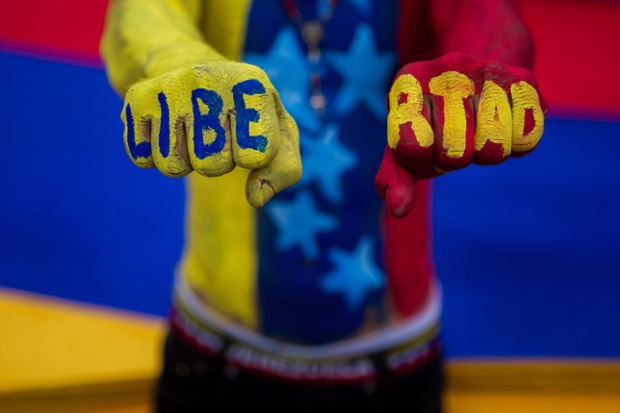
(395, 185)
(285, 168)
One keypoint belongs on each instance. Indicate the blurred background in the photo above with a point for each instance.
(527, 252)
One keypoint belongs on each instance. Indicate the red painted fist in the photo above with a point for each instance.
(453, 111)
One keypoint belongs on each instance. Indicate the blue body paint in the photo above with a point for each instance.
(246, 115)
(208, 121)
(164, 130)
(140, 150)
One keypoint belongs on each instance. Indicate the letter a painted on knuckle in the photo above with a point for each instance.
(205, 122)
(493, 124)
(245, 115)
(136, 150)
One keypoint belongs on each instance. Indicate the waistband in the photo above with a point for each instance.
(189, 303)
(342, 368)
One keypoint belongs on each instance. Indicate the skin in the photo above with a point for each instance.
(469, 98)
(174, 60)
(462, 108)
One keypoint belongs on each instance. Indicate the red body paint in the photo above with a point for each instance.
(492, 44)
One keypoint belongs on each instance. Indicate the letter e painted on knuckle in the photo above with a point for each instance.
(244, 115)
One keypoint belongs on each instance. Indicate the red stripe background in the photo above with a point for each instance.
(578, 44)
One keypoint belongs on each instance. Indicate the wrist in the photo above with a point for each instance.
(177, 55)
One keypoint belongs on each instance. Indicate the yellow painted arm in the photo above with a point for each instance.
(144, 38)
(188, 108)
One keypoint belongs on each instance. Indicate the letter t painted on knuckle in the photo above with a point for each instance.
(454, 87)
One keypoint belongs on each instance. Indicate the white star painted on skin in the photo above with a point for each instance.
(355, 273)
(324, 160)
(299, 222)
(288, 69)
(365, 72)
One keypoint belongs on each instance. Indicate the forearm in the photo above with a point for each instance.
(144, 38)
(490, 29)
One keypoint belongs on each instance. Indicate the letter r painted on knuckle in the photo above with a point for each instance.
(409, 130)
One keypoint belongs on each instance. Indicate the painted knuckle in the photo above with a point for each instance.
(408, 124)
(206, 117)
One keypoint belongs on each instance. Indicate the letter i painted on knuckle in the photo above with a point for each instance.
(164, 130)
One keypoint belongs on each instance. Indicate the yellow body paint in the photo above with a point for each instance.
(453, 87)
(494, 120)
(525, 97)
(408, 111)
(219, 259)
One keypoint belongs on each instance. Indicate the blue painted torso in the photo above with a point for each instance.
(320, 266)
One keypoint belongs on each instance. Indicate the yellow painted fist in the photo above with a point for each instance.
(210, 117)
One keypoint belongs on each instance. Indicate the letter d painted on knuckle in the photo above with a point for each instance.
(527, 117)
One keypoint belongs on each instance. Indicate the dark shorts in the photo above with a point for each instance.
(192, 382)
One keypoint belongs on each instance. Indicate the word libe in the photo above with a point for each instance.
(205, 122)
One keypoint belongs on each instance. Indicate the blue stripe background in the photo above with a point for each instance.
(526, 251)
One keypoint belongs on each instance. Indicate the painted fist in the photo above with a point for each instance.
(209, 118)
(450, 112)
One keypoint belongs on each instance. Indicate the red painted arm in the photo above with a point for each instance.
(477, 103)
(490, 29)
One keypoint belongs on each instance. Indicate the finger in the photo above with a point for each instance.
(409, 129)
(255, 125)
(493, 138)
(527, 118)
(453, 120)
(209, 143)
(138, 114)
(285, 168)
(169, 136)
(395, 185)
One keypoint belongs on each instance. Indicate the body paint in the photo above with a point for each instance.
(494, 122)
(406, 113)
(526, 134)
(453, 87)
